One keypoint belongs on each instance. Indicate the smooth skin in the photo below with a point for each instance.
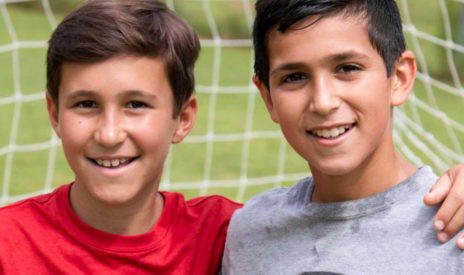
(325, 77)
(132, 212)
(115, 120)
(292, 77)
(450, 217)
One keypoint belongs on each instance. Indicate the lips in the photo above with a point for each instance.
(112, 163)
(332, 132)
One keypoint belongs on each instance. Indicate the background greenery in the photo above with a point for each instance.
(187, 160)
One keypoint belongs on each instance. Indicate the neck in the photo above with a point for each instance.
(134, 217)
(376, 174)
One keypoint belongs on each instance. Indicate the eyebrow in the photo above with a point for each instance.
(327, 60)
(288, 67)
(124, 94)
(346, 55)
(136, 93)
(82, 93)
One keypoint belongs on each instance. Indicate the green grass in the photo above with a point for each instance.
(229, 18)
(24, 22)
(188, 159)
(28, 163)
(33, 113)
(6, 74)
(6, 117)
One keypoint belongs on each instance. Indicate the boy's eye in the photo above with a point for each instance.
(294, 77)
(86, 104)
(348, 68)
(136, 105)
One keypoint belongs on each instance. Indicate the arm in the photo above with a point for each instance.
(449, 189)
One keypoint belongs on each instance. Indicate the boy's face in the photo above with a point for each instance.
(115, 119)
(329, 91)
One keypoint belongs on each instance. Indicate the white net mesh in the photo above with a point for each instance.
(234, 149)
(430, 128)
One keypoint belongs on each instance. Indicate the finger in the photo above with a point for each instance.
(439, 190)
(450, 183)
(453, 226)
(449, 208)
(460, 241)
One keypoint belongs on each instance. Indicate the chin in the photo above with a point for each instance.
(114, 199)
(114, 195)
(333, 168)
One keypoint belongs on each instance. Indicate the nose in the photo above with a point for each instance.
(323, 96)
(110, 131)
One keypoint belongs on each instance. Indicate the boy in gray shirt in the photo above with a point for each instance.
(330, 78)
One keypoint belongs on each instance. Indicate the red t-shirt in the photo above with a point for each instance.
(43, 235)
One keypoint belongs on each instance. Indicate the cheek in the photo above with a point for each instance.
(153, 133)
(74, 140)
(290, 106)
(73, 131)
(372, 97)
(374, 109)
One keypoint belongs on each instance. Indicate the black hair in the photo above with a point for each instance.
(382, 16)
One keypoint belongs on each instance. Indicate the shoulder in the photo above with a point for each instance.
(24, 223)
(25, 206)
(425, 174)
(215, 207)
(270, 207)
(416, 185)
(274, 199)
(213, 201)
(31, 211)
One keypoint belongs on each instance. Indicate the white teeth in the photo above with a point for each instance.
(112, 163)
(332, 132)
(326, 133)
(115, 162)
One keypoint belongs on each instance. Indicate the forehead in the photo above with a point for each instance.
(315, 38)
(117, 74)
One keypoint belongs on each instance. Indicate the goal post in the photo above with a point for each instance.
(234, 149)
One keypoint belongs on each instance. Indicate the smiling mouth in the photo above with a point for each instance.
(331, 133)
(112, 163)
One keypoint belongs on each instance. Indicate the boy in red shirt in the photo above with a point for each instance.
(120, 82)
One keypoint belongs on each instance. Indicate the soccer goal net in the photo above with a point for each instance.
(234, 150)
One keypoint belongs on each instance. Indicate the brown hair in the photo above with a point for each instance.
(101, 29)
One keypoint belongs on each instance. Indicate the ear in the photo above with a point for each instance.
(52, 109)
(266, 96)
(403, 78)
(186, 119)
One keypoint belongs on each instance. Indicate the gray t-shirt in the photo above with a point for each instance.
(282, 232)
